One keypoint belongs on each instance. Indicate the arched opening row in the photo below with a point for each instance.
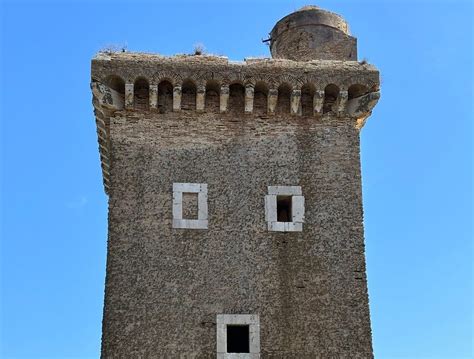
(236, 98)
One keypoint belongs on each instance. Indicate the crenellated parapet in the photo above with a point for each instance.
(321, 90)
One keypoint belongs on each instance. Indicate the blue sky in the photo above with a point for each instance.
(416, 160)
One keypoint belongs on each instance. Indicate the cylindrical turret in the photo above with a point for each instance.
(312, 34)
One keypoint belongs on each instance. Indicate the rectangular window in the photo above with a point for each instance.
(238, 339)
(190, 205)
(238, 336)
(284, 209)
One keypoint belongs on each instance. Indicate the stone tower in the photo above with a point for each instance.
(235, 209)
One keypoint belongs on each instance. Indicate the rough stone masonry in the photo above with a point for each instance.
(235, 209)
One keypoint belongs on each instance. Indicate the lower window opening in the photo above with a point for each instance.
(238, 339)
(284, 209)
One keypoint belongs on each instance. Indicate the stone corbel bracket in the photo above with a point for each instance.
(361, 107)
(106, 101)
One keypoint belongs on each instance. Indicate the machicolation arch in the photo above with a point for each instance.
(261, 96)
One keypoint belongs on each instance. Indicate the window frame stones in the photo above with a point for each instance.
(253, 322)
(297, 209)
(178, 221)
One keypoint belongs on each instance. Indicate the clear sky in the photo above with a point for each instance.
(416, 160)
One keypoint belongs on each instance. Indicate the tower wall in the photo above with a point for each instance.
(308, 287)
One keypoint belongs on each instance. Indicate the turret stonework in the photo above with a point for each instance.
(235, 208)
(312, 34)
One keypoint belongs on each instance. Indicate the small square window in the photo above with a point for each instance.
(238, 339)
(284, 209)
(190, 205)
(238, 336)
